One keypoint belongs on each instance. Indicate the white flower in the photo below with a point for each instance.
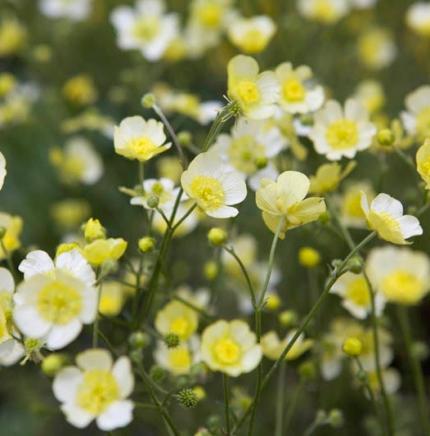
(136, 138)
(163, 189)
(256, 93)
(416, 118)
(3, 170)
(356, 297)
(253, 34)
(96, 389)
(376, 48)
(324, 11)
(418, 18)
(385, 217)
(400, 275)
(298, 93)
(341, 132)
(250, 145)
(363, 4)
(213, 185)
(55, 299)
(76, 10)
(145, 28)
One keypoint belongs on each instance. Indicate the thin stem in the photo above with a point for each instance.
(280, 401)
(141, 173)
(333, 278)
(223, 115)
(416, 369)
(9, 261)
(366, 385)
(97, 319)
(225, 380)
(184, 217)
(192, 306)
(292, 406)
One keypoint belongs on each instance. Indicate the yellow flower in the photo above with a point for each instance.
(328, 177)
(385, 217)
(255, 93)
(13, 228)
(272, 346)
(103, 250)
(423, 162)
(80, 90)
(177, 360)
(418, 18)
(370, 94)
(177, 318)
(309, 257)
(285, 200)
(7, 83)
(376, 48)
(111, 298)
(136, 138)
(12, 37)
(69, 213)
(93, 230)
(230, 347)
(352, 213)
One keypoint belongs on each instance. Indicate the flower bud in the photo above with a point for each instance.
(308, 371)
(210, 270)
(217, 236)
(355, 265)
(157, 373)
(309, 257)
(385, 137)
(152, 201)
(148, 100)
(261, 162)
(187, 398)
(136, 356)
(185, 137)
(335, 418)
(146, 244)
(272, 302)
(138, 340)
(288, 318)
(93, 230)
(171, 340)
(53, 363)
(352, 347)
(199, 392)
(420, 350)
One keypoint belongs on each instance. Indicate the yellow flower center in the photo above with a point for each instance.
(254, 41)
(248, 92)
(402, 287)
(423, 123)
(98, 390)
(293, 90)
(179, 326)
(146, 28)
(227, 352)
(342, 134)
(58, 302)
(180, 358)
(324, 11)
(210, 15)
(386, 226)
(358, 292)
(141, 148)
(208, 192)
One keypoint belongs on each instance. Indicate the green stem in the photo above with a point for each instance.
(416, 369)
(333, 278)
(141, 174)
(223, 115)
(96, 321)
(9, 261)
(367, 387)
(280, 401)
(225, 380)
(292, 406)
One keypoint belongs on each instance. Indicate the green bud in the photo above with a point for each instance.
(185, 137)
(217, 236)
(355, 265)
(152, 201)
(385, 137)
(335, 418)
(214, 423)
(307, 120)
(171, 340)
(136, 356)
(324, 218)
(210, 270)
(187, 398)
(288, 318)
(157, 373)
(308, 371)
(148, 100)
(138, 340)
(146, 244)
(420, 350)
(261, 162)
(53, 363)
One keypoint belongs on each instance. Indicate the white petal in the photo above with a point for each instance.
(386, 203)
(36, 262)
(410, 226)
(234, 188)
(66, 383)
(223, 212)
(96, 358)
(74, 263)
(76, 416)
(90, 300)
(61, 335)
(251, 359)
(29, 322)
(119, 414)
(124, 375)
(7, 282)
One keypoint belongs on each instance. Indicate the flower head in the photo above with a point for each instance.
(416, 118)
(273, 347)
(423, 162)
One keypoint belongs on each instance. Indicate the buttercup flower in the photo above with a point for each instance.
(230, 347)
(341, 132)
(177, 318)
(13, 228)
(177, 360)
(423, 162)
(298, 93)
(416, 119)
(385, 217)
(256, 93)
(96, 389)
(400, 275)
(285, 200)
(75, 10)
(350, 204)
(138, 139)
(251, 35)
(273, 347)
(162, 189)
(213, 185)
(328, 177)
(80, 90)
(55, 298)
(355, 294)
(146, 28)
(104, 250)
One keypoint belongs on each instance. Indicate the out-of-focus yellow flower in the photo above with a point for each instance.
(230, 347)
(93, 230)
(251, 35)
(400, 275)
(255, 93)
(69, 213)
(323, 11)
(423, 162)
(273, 301)
(371, 95)
(111, 298)
(13, 228)
(80, 90)
(285, 200)
(170, 168)
(177, 318)
(66, 246)
(103, 250)
(309, 257)
(385, 217)
(272, 346)
(351, 212)
(13, 37)
(376, 48)
(136, 138)
(328, 177)
(7, 83)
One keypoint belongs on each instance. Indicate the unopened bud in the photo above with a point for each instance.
(148, 100)
(210, 270)
(385, 137)
(185, 137)
(146, 244)
(171, 340)
(187, 398)
(53, 363)
(335, 418)
(355, 265)
(217, 236)
(152, 201)
(138, 340)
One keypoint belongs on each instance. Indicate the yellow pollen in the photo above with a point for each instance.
(98, 390)
(59, 303)
(248, 92)
(227, 351)
(293, 91)
(402, 287)
(210, 15)
(342, 134)
(254, 41)
(146, 28)
(142, 148)
(179, 326)
(208, 192)
(358, 292)
(180, 358)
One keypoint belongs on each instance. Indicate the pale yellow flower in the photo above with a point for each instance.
(423, 162)
(273, 347)
(328, 177)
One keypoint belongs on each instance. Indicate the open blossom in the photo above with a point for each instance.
(162, 189)
(416, 118)
(213, 185)
(323, 11)
(298, 93)
(341, 132)
(284, 199)
(178, 360)
(146, 28)
(251, 35)
(56, 297)
(76, 10)
(136, 138)
(418, 18)
(230, 347)
(399, 275)
(273, 347)
(256, 93)
(376, 48)
(385, 216)
(96, 389)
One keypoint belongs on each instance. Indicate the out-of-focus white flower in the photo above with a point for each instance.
(3, 170)
(416, 118)
(163, 190)
(323, 11)
(418, 18)
(76, 10)
(377, 48)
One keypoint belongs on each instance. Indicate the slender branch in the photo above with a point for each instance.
(225, 380)
(280, 400)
